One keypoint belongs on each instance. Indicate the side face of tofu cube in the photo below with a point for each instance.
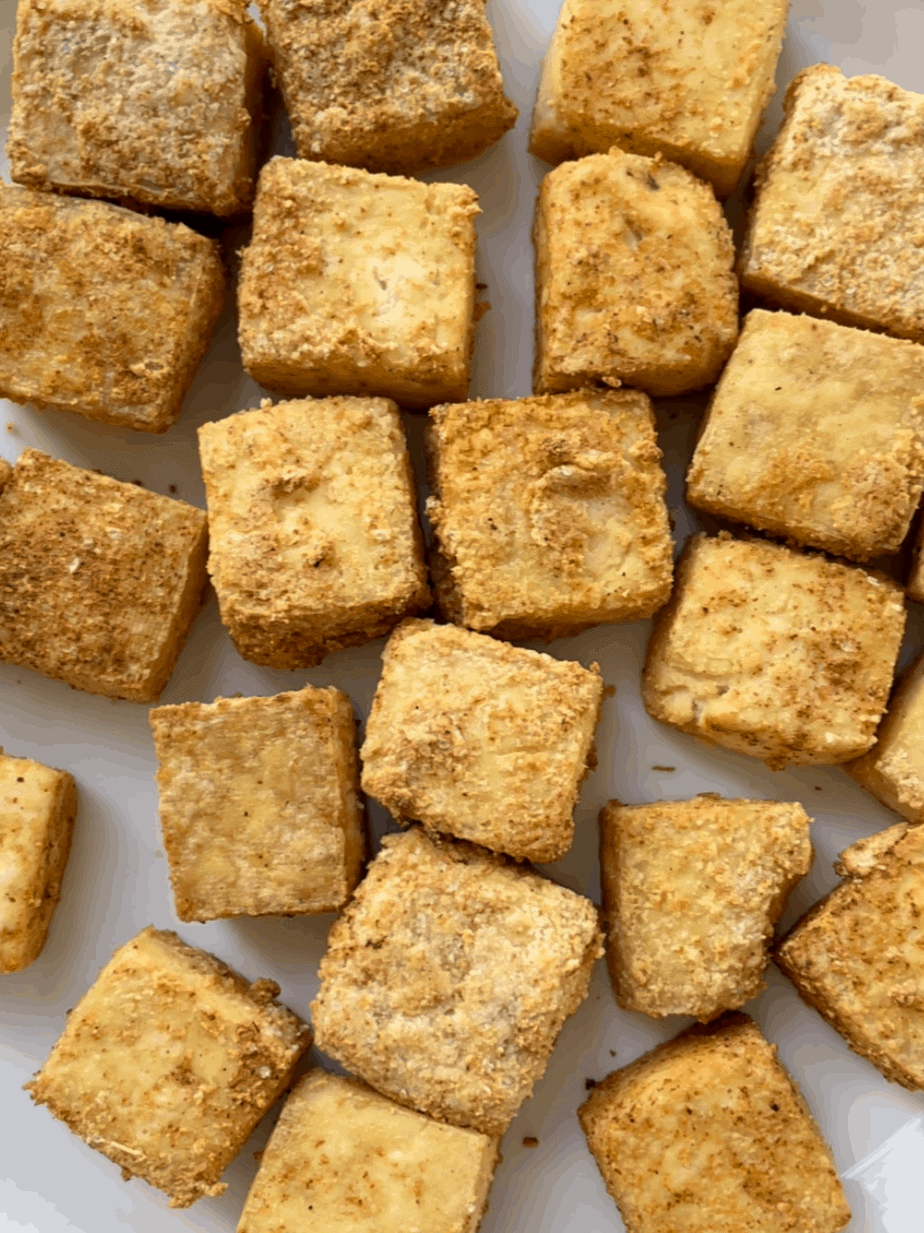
(549, 512)
(359, 284)
(99, 580)
(449, 976)
(314, 539)
(893, 770)
(168, 1063)
(613, 221)
(816, 433)
(774, 653)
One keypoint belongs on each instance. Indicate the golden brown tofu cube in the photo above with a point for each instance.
(103, 311)
(549, 513)
(314, 539)
(837, 228)
(775, 653)
(634, 281)
(481, 740)
(709, 1132)
(449, 976)
(893, 770)
(168, 1062)
(153, 102)
(37, 810)
(344, 1157)
(99, 580)
(816, 433)
(691, 893)
(359, 284)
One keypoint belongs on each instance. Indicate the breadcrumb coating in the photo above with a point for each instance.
(893, 769)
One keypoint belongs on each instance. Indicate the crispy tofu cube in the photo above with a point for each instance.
(709, 1132)
(359, 284)
(614, 222)
(481, 740)
(99, 580)
(691, 893)
(549, 513)
(893, 770)
(314, 539)
(340, 1148)
(168, 1062)
(37, 810)
(815, 432)
(449, 976)
(837, 228)
(103, 311)
(153, 102)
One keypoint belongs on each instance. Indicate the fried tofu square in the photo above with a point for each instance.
(99, 580)
(481, 740)
(168, 1062)
(893, 769)
(775, 653)
(707, 1133)
(449, 977)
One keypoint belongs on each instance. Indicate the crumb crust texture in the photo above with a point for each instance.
(893, 769)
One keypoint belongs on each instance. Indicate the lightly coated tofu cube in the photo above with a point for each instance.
(37, 810)
(99, 580)
(103, 311)
(168, 1062)
(342, 1156)
(481, 740)
(549, 513)
(449, 977)
(359, 284)
(634, 281)
(893, 770)
(779, 654)
(314, 539)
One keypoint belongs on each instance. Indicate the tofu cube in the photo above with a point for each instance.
(152, 102)
(709, 1132)
(99, 580)
(634, 281)
(481, 740)
(168, 1062)
(893, 769)
(314, 539)
(837, 228)
(549, 513)
(359, 284)
(691, 893)
(816, 433)
(103, 312)
(340, 1148)
(449, 976)
(37, 810)
(774, 653)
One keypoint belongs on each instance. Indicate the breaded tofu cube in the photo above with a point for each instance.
(103, 311)
(779, 654)
(406, 88)
(100, 581)
(314, 538)
(816, 433)
(344, 1157)
(359, 284)
(37, 810)
(449, 976)
(691, 893)
(481, 740)
(153, 102)
(708, 1132)
(837, 228)
(168, 1062)
(259, 803)
(549, 512)
(893, 770)
(634, 281)
(683, 79)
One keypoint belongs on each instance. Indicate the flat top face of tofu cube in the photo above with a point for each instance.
(893, 769)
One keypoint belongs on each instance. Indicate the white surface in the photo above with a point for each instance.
(117, 880)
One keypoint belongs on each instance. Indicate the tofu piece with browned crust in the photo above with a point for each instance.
(449, 976)
(168, 1062)
(893, 769)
